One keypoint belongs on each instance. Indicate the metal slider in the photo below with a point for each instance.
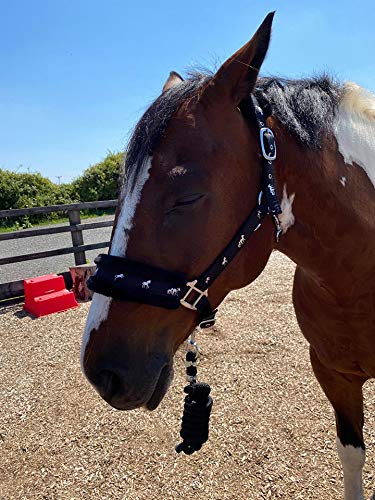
(193, 288)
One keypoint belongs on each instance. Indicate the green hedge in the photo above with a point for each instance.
(18, 190)
(30, 190)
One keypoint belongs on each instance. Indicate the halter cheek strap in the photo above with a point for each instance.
(129, 280)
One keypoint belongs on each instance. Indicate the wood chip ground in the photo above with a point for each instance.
(272, 430)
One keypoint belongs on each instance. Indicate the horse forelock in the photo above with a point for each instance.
(151, 127)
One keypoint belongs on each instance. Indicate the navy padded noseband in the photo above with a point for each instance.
(126, 279)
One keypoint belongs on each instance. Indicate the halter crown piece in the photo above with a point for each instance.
(125, 279)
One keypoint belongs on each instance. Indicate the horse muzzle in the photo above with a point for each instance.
(127, 390)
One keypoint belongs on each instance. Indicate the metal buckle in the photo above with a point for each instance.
(272, 156)
(192, 287)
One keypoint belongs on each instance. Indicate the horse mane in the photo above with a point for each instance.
(358, 100)
(305, 107)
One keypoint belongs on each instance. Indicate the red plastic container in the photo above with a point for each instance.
(47, 295)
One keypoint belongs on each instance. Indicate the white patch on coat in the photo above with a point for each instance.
(286, 218)
(129, 205)
(352, 461)
(100, 304)
(343, 181)
(354, 128)
(97, 314)
(177, 171)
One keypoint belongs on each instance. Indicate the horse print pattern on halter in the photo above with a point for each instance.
(242, 241)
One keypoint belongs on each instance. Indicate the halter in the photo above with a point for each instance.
(126, 279)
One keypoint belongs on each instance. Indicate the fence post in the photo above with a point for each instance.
(77, 236)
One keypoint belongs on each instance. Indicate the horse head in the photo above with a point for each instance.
(193, 173)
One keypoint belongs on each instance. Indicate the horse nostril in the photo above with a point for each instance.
(109, 384)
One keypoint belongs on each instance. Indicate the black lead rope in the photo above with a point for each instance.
(197, 406)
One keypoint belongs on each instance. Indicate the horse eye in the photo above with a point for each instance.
(188, 200)
(185, 201)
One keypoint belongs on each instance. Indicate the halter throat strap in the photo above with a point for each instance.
(129, 280)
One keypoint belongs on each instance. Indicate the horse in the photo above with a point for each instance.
(194, 171)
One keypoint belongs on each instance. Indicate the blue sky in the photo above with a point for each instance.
(76, 75)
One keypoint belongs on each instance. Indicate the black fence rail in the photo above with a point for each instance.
(76, 227)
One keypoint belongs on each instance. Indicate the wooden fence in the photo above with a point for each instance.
(15, 288)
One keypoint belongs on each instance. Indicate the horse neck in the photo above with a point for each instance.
(328, 205)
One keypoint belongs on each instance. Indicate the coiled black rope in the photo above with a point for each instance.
(197, 410)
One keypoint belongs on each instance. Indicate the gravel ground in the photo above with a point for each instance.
(272, 430)
(39, 267)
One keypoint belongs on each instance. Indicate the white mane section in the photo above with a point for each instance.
(354, 128)
(100, 303)
(359, 100)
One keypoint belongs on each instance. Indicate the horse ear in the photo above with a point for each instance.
(172, 80)
(236, 78)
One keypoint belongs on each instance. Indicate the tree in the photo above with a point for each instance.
(100, 181)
